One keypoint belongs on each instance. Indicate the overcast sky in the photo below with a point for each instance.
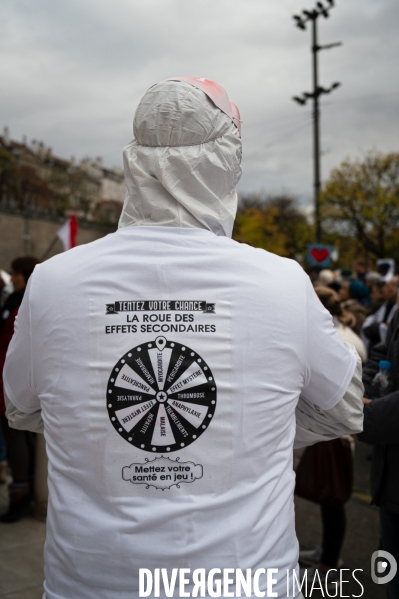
(73, 71)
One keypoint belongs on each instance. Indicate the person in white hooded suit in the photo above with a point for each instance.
(173, 370)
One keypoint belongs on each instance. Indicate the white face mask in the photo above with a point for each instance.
(183, 166)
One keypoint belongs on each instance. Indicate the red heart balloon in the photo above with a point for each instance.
(319, 254)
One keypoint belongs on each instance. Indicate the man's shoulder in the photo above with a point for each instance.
(101, 253)
(77, 255)
(263, 258)
(63, 272)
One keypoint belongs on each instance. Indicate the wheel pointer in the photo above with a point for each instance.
(160, 342)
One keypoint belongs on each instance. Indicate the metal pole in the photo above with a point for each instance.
(316, 133)
(308, 16)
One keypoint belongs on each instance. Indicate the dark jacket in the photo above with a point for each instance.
(381, 423)
(8, 313)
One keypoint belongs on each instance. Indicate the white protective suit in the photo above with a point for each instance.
(168, 345)
(181, 173)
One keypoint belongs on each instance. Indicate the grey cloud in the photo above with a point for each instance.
(75, 71)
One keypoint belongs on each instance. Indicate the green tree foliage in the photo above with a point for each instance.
(360, 201)
(274, 223)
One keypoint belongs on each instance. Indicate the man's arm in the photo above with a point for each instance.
(330, 403)
(23, 408)
(315, 424)
(21, 420)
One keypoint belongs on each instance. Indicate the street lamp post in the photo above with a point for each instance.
(300, 21)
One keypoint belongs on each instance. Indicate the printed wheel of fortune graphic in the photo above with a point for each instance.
(161, 396)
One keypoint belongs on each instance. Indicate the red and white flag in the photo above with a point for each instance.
(67, 233)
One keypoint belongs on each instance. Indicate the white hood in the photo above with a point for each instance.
(184, 163)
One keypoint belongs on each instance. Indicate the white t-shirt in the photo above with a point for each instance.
(168, 363)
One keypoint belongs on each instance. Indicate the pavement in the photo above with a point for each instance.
(362, 533)
(21, 544)
(21, 555)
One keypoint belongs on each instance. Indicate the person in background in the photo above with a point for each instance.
(5, 286)
(372, 277)
(360, 269)
(381, 426)
(325, 277)
(333, 514)
(313, 273)
(19, 444)
(335, 285)
(2, 290)
(344, 322)
(376, 297)
(353, 296)
(345, 274)
(374, 329)
(3, 449)
(3, 459)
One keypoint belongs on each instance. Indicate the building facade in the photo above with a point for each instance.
(38, 191)
(34, 181)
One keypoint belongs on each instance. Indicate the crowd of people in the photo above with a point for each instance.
(367, 302)
(364, 307)
(17, 447)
